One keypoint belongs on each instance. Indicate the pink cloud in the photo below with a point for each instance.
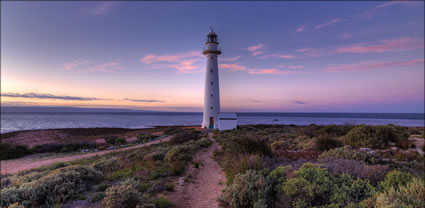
(276, 55)
(230, 59)
(90, 66)
(299, 29)
(309, 51)
(400, 44)
(370, 65)
(256, 49)
(103, 8)
(188, 62)
(295, 67)
(392, 3)
(232, 67)
(271, 71)
(332, 22)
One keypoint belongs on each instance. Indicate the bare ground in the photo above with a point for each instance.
(39, 160)
(200, 187)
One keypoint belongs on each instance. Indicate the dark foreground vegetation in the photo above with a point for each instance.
(128, 179)
(321, 166)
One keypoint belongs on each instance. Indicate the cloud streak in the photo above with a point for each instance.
(90, 66)
(233, 67)
(298, 102)
(188, 62)
(332, 22)
(388, 45)
(256, 49)
(277, 55)
(144, 101)
(271, 71)
(103, 8)
(374, 64)
(47, 96)
(299, 29)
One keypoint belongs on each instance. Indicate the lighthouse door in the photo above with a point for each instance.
(211, 122)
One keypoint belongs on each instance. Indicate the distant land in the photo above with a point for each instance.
(50, 109)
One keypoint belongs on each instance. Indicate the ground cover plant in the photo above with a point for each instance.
(273, 166)
(132, 178)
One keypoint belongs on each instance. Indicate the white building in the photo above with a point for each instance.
(211, 117)
(228, 121)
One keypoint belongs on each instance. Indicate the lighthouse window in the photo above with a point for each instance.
(211, 107)
(211, 57)
(211, 83)
(211, 95)
(211, 70)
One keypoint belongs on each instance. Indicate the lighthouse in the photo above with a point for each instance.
(212, 91)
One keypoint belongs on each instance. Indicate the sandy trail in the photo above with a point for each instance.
(205, 184)
(35, 161)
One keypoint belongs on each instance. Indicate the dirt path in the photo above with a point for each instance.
(202, 185)
(35, 161)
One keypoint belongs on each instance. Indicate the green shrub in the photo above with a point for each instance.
(204, 142)
(162, 202)
(324, 142)
(11, 151)
(334, 130)
(250, 189)
(98, 196)
(54, 187)
(277, 178)
(16, 205)
(146, 137)
(242, 164)
(345, 152)
(108, 164)
(394, 179)
(185, 136)
(171, 130)
(176, 167)
(314, 186)
(375, 136)
(114, 140)
(102, 187)
(410, 195)
(124, 195)
(181, 152)
(247, 145)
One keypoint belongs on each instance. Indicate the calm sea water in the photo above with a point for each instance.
(27, 121)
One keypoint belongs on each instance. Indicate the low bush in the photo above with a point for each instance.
(98, 196)
(180, 152)
(410, 195)
(314, 186)
(56, 186)
(334, 130)
(171, 130)
(375, 136)
(408, 156)
(250, 189)
(11, 151)
(146, 137)
(185, 136)
(358, 169)
(162, 202)
(102, 187)
(16, 205)
(114, 140)
(403, 144)
(108, 164)
(345, 152)
(242, 164)
(124, 195)
(247, 145)
(394, 179)
(204, 142)
(62, 147)
(325, 142)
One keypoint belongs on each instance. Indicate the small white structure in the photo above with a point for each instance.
(228, 121)
(212, 92)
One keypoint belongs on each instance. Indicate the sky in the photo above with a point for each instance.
(290, 56)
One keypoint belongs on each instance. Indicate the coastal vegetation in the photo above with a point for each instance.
(133, 178)
(321, 166)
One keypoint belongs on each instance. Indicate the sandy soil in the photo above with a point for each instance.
(39, 160)
(200, 187)
(419, 142)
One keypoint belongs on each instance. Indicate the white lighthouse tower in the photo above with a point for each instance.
(212, 92)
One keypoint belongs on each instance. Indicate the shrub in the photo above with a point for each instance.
(162, 202)
(179, 152)
(279, 145)
(247, 145)
(408, 156)
(344, 153)
(394, 179)
(11, 151)
(324, 142)
(97, 197)
(177, 167)
(114, 140)
(62, 147)
(171, 130)
(16, 205)
(410, 195)
(204, 142)
(122, 196)
(242, 164)
(375, 136)
(314, 186)
(146, 137)
(357, 169)
(102, 187)
(403, 144)
(185, 136)
(56, 186)
(334, 130)
(108, 164)
(250, 189)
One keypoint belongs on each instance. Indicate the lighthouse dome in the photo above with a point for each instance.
(212, 34)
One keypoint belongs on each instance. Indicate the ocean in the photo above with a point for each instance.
(13, 121)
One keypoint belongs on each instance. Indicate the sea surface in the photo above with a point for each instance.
(27, 121)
